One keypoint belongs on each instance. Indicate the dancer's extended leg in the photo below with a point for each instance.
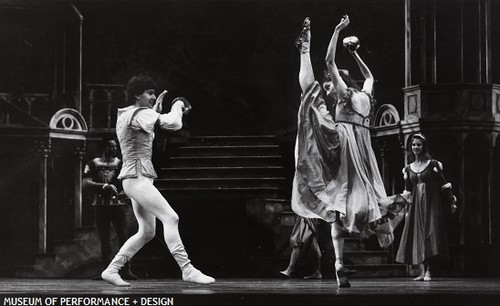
(146, 231)
(152, 200)
(306, 74)
(338, 244)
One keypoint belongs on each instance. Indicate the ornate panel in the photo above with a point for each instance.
(496, 100)
(440, 102)
(477, 102)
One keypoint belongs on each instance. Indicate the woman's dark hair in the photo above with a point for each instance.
(326, 76)
(106, 140)
(425, 147)
(344, 74)
(348, 80)
(137, 85)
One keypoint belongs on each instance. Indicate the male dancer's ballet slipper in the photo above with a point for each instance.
(194, 275)
(114, 278)
(111, 273)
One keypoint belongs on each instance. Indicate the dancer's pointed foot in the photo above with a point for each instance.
(419, 278)
(302, 42)
(427, 276)
(315, 275)
(194, 275)
(114, 278)
(286, 273)
(342, 280)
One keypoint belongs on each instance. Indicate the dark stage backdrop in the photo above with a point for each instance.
(234, 60)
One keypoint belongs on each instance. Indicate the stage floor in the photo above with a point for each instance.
(387, 291)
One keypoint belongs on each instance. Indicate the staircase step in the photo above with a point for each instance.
(240, 161)
(366, 257)
(379, 270)
(253, 150)
(354, 244)
(197, 194)
(226, 182)
(219, 172)
(232, 140)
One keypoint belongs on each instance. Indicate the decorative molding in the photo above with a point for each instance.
(68, 119)
(79, 152)
(387, 115)
(43, 148)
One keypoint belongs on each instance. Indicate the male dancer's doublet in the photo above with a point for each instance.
(135, 131)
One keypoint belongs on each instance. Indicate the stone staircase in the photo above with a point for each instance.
(224, 167)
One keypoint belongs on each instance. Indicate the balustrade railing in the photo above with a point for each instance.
(36, 106)
(100, 103)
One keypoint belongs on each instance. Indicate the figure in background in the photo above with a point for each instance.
(101, 178)
(135, 129)
(424, 237)
(304, 240)
(337, 178)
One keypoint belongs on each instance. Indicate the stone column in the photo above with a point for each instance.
(43, 149)
(491, 166)
(461, 187)
(79, 154)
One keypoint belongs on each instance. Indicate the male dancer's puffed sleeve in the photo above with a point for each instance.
(173, 119)
(144, 119)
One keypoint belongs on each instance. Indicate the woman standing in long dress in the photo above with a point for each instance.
(425, 232)
(337, 178)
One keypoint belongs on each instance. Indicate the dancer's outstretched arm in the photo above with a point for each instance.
(367, 74)
(173, 119)
(337, 81)
(306, 74)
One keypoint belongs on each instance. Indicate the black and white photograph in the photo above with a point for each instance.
(249, 152)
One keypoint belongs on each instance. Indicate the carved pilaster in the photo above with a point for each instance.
(42, 149)
(384, 150)
(79, 153)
